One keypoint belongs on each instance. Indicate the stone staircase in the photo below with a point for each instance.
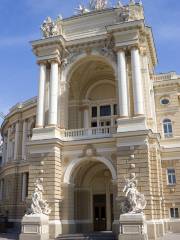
(90, 236)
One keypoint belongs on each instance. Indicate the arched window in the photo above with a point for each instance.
(167, 126)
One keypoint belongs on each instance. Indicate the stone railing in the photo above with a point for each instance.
(165, 76)
(90, 132)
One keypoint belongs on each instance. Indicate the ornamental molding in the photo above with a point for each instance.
(104, 48)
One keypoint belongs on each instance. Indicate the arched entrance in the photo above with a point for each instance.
(91, 191)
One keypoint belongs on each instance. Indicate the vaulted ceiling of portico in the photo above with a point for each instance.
(88, 73)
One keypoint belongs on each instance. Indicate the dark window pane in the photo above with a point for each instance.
(103, 212)
(105, 110)
(169, 179)
(94, 111)
(165, 101)
(93, 124)
(172, 212)
(174, 179)
(176, 213)
(115, 109)
(108, 123)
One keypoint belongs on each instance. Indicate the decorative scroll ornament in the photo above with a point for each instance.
(38, 204)
(49, 28)
(98, 4)
(135, 201)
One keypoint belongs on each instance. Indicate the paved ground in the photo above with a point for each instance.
(168, 236)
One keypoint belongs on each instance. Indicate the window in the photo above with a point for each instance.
(1, 189)
(93, 124)
(115, 109)
(94, 111)
(24, 188)
(174, 213)
(105, 110)
(171, 175)
(164, 101)
(167, 126)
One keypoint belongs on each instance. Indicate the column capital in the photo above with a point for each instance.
(121, 49)
(134, 47)
(42, 62)
(54, 60)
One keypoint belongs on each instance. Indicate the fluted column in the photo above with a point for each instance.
(24, 139)
(137, 82)
(122, 84)
(16, 144)
(41, 96)
(53, 97)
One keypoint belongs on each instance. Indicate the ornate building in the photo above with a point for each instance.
(102, 114)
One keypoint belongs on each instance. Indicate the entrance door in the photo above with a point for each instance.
(99, 206)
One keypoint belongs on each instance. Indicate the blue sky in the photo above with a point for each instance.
(20, 21)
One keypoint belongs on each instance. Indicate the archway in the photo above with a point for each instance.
(92, 100)
(91, 191)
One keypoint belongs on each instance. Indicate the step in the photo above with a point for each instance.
(90, 236)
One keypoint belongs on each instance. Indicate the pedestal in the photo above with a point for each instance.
(133, 226)
(35, 227)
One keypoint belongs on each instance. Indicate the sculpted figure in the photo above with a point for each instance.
(82, 10)
(49, 28)
(136, 200)
(38, 205)
(98, 4)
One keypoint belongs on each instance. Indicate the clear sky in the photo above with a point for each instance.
(20, 21)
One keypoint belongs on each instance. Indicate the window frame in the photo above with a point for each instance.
(167, 123)
(164, 98)
(167, 174)
(174, 212)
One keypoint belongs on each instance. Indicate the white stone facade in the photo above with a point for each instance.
(101, 114)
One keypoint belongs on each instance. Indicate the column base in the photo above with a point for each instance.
(49, 132)
(131, 124)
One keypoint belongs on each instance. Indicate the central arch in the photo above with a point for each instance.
(90, 193)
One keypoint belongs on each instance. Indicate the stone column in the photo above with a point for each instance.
(16, 145)
(108, 207)
(24, 139)
(8, 145)
(122, 84)
(4, 150)
(137, 82)
(41, 96)
(86, 117)
(53, 97)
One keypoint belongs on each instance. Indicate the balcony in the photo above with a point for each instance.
(73, 134)
(96, 132)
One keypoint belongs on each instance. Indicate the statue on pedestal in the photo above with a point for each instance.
(135, 201)
(39, 205)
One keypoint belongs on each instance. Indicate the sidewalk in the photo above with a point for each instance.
(169, 236)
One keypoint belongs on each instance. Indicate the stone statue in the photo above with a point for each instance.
(49, 28)
(136, 200)
(81, 10)
(124, 14)
(98, 4)
(38, 205)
